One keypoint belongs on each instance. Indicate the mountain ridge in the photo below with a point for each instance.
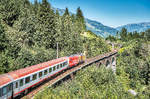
(139, 27)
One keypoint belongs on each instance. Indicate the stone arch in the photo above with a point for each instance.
(107, 63)
(112, 60)
(99, 64)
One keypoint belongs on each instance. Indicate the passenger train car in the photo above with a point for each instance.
(20, 81)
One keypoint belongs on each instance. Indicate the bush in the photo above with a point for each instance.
(90, 83)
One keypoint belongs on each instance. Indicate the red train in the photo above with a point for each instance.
(20, 81)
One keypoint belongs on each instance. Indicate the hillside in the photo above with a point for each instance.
(100, 29)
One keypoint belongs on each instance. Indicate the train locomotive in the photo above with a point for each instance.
(20, 81)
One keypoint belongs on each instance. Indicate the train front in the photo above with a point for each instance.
(76, 59)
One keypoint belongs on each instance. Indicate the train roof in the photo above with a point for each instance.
(28, 70)
(4, 79)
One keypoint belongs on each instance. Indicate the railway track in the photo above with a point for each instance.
(51, 82)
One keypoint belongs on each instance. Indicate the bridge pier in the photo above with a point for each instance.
(109, 62)
(113, 64)
(72, 75)
(98, 64)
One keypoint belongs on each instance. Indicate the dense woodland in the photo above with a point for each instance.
(29, 33)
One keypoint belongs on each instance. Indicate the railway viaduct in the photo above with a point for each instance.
(107, 59)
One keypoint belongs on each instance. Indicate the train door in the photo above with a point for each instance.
(21, 84)
(10, 90)
(16, 87)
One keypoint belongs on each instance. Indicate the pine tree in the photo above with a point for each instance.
(35, 6)
(9, 11)
(3, 39)
(58, 28)
(26, 22)
(46, 4)
(147, 34)
(66, 12)
(46, 25)
(80, 21)
(123, 34)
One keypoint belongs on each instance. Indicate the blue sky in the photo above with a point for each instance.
(109, 12)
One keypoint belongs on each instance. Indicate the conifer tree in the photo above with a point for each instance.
(80, 15)
(35, 6)
(80, 21)
(26, 22)
(147, 34)
(3, 39)
(123, 34)
(66, 12)
(58, 28)
(9, 11)
(46, 25)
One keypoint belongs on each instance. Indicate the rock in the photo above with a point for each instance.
(132, 92)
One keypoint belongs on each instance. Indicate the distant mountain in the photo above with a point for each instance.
(94, 26)
(139, 27)
(100, 29)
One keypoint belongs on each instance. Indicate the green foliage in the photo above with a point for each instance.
(126, 36)
(90, 83)
(80, 21)
(66, 12)
(3, 39)
(123, 34)
(147, 34)
(135, 63)
(111, 38)
(30, 33)
(9, 11)
(94, 45)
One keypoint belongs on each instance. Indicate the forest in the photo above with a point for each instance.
(29, 33)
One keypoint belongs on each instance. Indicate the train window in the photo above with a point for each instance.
(63, 64)
(34, 77)
(50, 70)
(16, 84)
(21, 82)
(57, 66)
(66, 63)
(40, 74)
(27, 80)
(9, 87)
(4, 90)
(45, 72)
(0, 92)
(54, 68)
